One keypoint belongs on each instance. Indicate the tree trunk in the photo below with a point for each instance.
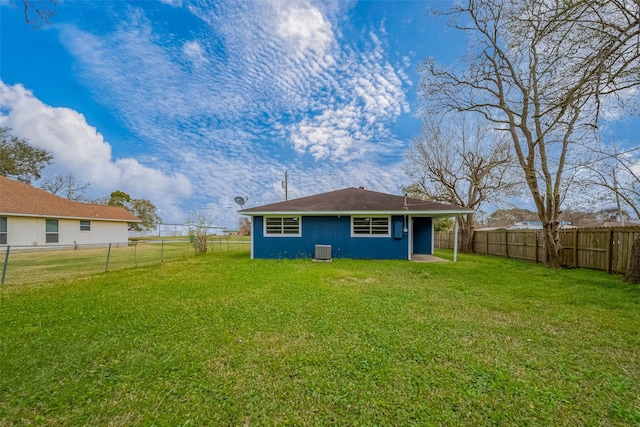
(552, 245)
(466, 241)
(633, 271)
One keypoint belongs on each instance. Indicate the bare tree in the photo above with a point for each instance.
(36, 12)
(617, 174)
(244, 226)
(199, 224)
(541, 71)
(465, 163)
(67, 186)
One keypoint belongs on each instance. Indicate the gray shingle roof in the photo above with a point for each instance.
(357, 200)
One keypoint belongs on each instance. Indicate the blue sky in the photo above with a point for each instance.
(190, 104)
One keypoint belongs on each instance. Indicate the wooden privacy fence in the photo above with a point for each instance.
(607, 249)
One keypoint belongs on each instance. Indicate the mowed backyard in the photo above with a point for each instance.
(220, 339)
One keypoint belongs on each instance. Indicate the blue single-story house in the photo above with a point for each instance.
(348, 223)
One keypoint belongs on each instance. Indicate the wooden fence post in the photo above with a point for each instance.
(575, 248)
(609, 244)
(506, 244)
(486, 240)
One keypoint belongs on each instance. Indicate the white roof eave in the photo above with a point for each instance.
(13, 214)
(448, 213)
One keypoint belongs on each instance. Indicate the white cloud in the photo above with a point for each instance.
(194, 51)
(329, 135)
(174, 3)
(304, 26)
(78, 149)
(373, 97)
(278, 91)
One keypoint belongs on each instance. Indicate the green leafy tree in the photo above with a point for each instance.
(142, 208)
(19, 159)
(146, 211)
(506, 217)
(443, 224)
(119, 198)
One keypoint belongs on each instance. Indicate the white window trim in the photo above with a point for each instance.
(89, 223)
(51, 233)
(6, 232)
(368, 236)
(264, 226)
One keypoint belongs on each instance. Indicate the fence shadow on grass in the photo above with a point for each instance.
(35, 264)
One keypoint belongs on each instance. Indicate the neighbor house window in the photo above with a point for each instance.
(51, 231)
(282, 226)
(377, 226)
(85, 225)
(3, 230)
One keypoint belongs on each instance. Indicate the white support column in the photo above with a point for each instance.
(253, 232)
(455, 239)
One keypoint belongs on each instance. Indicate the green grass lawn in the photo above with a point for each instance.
(220, 339)
(46, 263)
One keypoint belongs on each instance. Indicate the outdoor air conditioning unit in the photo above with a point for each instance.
(323, 253)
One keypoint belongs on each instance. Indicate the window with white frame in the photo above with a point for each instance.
(288, 226)
(51, 231)
(370, 226)
(85, 225)
(3, 230)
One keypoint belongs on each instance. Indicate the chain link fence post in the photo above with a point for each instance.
(106, 266)
(4, 266)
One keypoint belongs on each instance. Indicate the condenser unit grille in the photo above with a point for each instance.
(323, 252)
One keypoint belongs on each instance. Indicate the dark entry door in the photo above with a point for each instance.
(422, 236)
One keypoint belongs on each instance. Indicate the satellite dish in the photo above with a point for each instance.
(241, 201)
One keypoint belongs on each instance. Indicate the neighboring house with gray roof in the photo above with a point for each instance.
(33, 217)
(354, 222)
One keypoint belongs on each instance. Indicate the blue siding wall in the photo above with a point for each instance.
(334, 231)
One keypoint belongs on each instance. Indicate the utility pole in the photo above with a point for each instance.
(285, 185)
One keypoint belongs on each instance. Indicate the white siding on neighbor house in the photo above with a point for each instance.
(27, 231)
(24, 231)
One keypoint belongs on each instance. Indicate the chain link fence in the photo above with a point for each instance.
(34, 264)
